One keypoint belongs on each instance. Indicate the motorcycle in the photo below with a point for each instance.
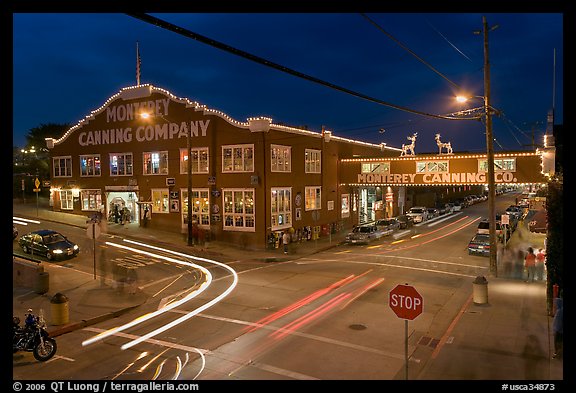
(33, 337)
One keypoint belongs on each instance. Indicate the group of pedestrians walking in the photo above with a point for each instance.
(534, 265)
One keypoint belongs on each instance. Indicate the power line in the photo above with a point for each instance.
(198, 37)
(410, 51)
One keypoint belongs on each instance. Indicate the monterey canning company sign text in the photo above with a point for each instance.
(434, 178)
(167, 129)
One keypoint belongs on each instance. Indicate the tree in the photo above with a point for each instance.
(34, 159)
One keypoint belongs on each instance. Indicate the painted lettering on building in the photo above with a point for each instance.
(148, 133)
(434, 178)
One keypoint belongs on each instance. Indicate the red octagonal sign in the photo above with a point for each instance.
(406, 302)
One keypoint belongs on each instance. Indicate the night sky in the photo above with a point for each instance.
(68, 64)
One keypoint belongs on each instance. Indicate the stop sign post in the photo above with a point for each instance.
(407, 304)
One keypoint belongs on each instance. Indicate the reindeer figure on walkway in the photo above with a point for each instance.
(410, 147)
(442, 145)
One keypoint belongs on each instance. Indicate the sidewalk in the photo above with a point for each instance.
(508, 338)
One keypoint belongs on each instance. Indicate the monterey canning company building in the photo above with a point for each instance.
(250, 181)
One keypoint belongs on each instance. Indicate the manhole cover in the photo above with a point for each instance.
(357, 327)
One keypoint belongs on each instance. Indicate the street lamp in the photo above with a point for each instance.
(190, 241)
(489, 149)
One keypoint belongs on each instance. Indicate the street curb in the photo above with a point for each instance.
(73, 326)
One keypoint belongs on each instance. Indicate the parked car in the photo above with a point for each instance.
(457, 206)
(364, 234)
(479, 245)
(484, 228)
(405, 221)
(388, 225)
(433, 212)
(14, 232)
(51, 244)
(418, 213)
(516, 211)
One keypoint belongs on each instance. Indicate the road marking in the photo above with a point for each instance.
(300, 334)
(162, 343)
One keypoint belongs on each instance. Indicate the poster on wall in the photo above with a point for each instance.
(174, 206)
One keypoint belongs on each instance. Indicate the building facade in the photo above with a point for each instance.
(249, 181)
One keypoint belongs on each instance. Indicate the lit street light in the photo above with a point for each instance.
(489, 149)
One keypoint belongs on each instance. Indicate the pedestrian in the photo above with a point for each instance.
(558, 328)
(285, 241)
(530, 265)
(540, 259)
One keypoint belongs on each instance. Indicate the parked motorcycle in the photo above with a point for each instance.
(33, 337)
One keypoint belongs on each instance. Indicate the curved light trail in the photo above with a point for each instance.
(172, 305)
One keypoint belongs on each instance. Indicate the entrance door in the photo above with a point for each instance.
(366, 205)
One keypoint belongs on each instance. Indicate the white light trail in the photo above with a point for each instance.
(166, 308)
(173, 305)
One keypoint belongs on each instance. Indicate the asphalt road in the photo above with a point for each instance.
(321, 317)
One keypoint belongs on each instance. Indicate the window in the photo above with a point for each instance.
(91, 199)
(313, 198)
(155, 163)
(280, 158)
(62, 166)
(281, 208)
(90, 165)
(431, 166)
(238, 158)
(239, 209)
(500, 164)
(345, 205)
(66, 200)
(200, 206)
(199, 160)
(375, 167)
(160, 200)
(313, 161)
(121, 164)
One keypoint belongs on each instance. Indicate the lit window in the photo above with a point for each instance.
(155, 163)
(90, 165)
(239, 210)
(313, 160)
(199, 161)
(121, 164)
(238, 158)
(281, 208)
(313, 198)
(280, 158)
(62, 166)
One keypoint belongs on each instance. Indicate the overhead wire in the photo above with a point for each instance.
(238, 52)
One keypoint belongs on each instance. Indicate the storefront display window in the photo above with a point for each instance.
(160, 200)
(281, 208)
(238, 209)
(91, 199)
(66, 200)
(313, 198)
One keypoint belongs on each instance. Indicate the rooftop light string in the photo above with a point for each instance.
(189, 34)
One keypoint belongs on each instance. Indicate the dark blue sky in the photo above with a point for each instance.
(66, 65)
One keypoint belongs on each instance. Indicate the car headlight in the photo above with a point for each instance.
(76, 247)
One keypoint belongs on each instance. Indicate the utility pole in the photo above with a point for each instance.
(490, 152)
(189, 215)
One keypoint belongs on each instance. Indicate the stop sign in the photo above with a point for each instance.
(406, 302)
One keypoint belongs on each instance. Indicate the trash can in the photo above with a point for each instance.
(41, 284)
(480, 290)
(59, 308)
